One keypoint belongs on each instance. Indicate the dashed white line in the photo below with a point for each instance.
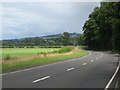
(41, 79)
(101, 55)
(92, 60)
(84, 63)
(70, 69)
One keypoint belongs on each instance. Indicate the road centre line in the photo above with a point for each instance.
(41, 79)
(101, 55)
(70, 69)
(84, 63)
(92, 60)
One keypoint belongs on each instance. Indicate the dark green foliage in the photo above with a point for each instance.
(66, 38)
(64, 50)
(7, 57)
(6, 46)
(44, 53)
(80, 40)
(48, 41)
(20, 46)
(102, 30)
(116, 27)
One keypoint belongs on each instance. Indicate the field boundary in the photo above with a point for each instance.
(47, 64)
(37, 56)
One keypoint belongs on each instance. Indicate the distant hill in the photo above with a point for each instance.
(44, 37)
(39, 41)
(58, 35)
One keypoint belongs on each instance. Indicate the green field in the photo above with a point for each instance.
(41, 61)
(23, 52)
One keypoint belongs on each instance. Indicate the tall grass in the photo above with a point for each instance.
(34, 62)
(13, 53)
(7, 57)
(64, 50)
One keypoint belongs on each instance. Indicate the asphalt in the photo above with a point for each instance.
(91, 71)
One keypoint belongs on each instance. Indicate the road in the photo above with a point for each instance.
(90, 71)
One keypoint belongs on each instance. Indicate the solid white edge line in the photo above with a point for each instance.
(107, 86)
(46, 65)
(41, 79)
(70, 69)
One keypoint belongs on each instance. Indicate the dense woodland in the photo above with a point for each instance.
(102, 29)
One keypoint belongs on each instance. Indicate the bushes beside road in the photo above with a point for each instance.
(40, 61)
(64, 50)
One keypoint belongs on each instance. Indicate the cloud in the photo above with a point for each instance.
(16, 17)
(37, 19)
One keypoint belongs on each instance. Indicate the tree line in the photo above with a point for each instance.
(63, 40)
(102, 29)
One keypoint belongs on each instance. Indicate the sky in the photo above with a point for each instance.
(35, 19)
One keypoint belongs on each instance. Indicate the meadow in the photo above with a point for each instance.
(56, 54)
(13, 53)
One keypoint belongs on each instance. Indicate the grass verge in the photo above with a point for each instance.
(41, 61)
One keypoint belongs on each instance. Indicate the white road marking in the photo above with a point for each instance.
(84, 63)
(92, 60)
(101, 55)
(46, 65)
(107, 86)
(41, 79)
(96, 58)
(70, 69)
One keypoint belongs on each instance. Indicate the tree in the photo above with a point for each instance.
(66, 38)
(81, 40)
(116, 27)
(37, 41)
(102, 29)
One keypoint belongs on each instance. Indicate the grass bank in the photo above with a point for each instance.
(35, 62)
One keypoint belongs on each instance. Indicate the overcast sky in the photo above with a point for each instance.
(33, 19)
